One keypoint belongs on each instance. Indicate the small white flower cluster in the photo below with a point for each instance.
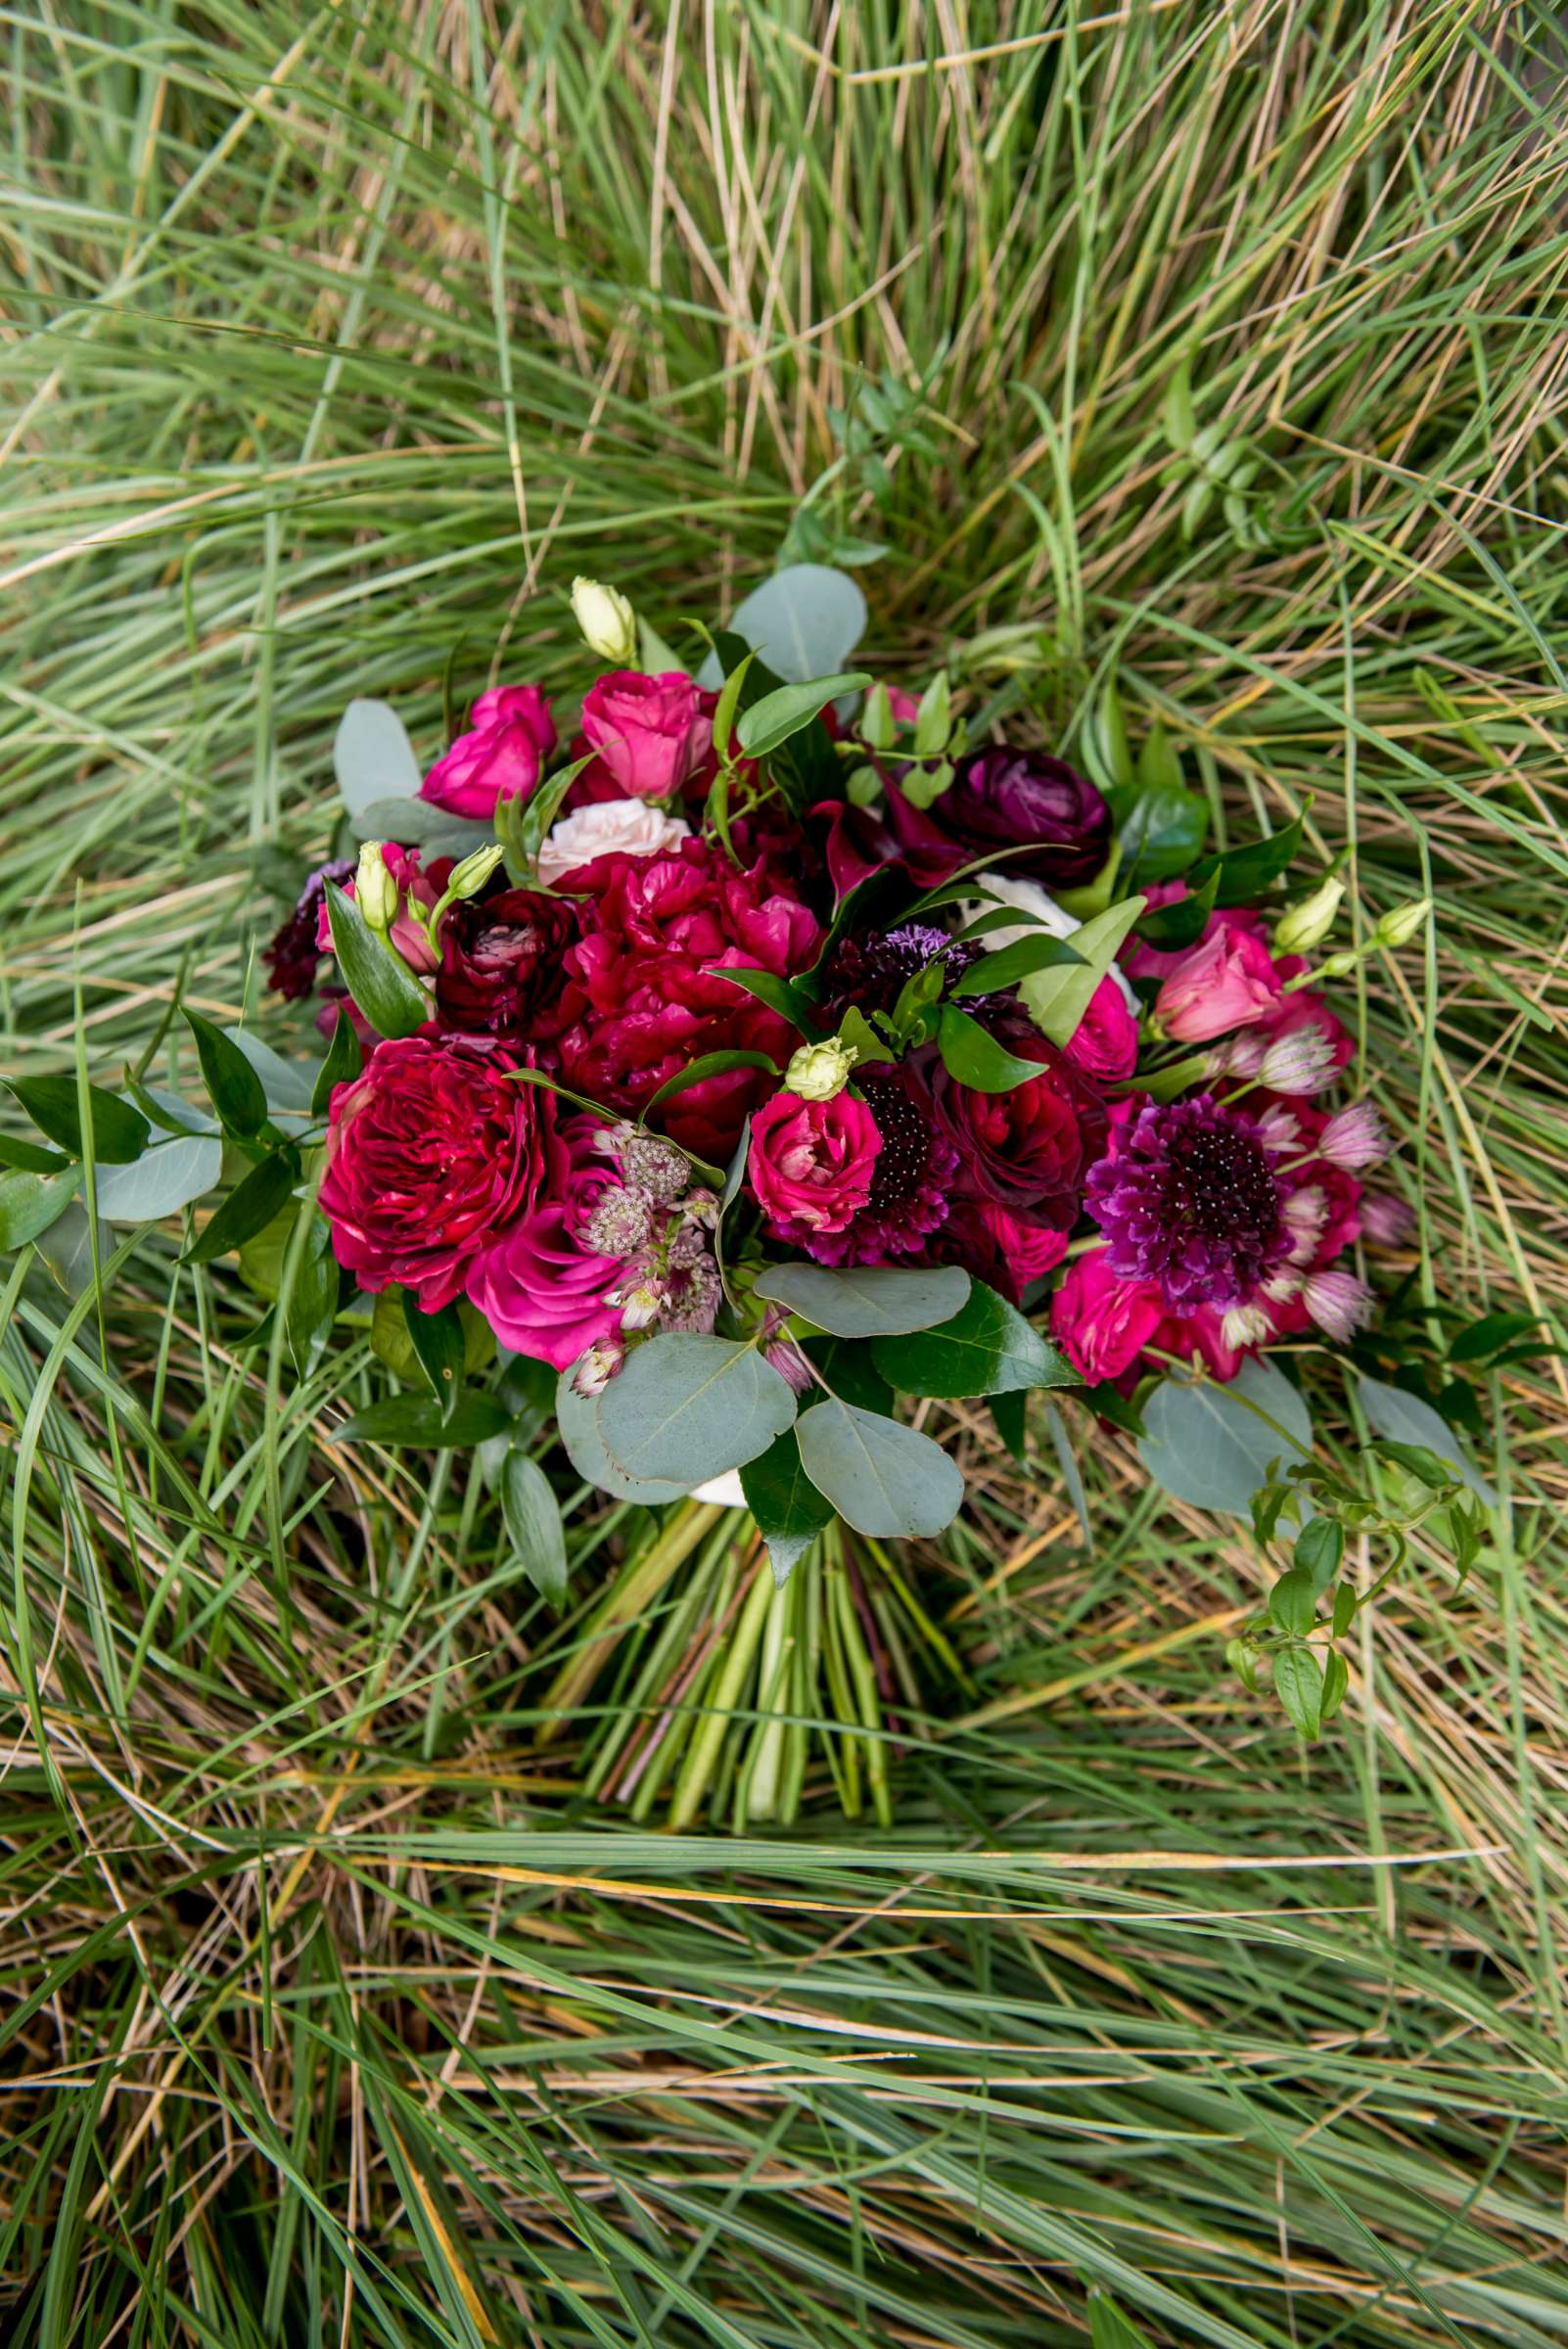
(661, 1223)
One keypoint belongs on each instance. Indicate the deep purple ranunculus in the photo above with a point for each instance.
(1007, 799)
(501, 960)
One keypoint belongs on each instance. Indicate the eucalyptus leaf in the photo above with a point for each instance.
(884, 1480)
(419, 824)
(1405, 1419)
(866, 1301)
(576, 1416)
(685, 1407)
(804, 622)
(533, 1517)
(373, 756)
(1213, 1445)
(174, 1169)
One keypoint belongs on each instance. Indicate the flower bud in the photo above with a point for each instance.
(820, 1072)
(470, 876)
(1306, 926)
(1397, 929)
(375, 889)
(608, 623)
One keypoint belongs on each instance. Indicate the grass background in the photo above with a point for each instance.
(334, 342)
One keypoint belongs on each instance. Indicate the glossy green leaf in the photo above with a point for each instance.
(1299, 1686)
(789, 1511)
(417, 1420)
(779, 995)
(993, 974)
(29, 1202)
(532, 1519)
(987, 1348)
(707, 1064)
(972, 1055)
(1319, 1548)
(438, 1347)
(1056, 999)
(236, 1091)
(340, 1066)
(767, 725)
(1292, 1603)
(247, 1210)
(119, 1133)
(1241, 875)
(379, 981)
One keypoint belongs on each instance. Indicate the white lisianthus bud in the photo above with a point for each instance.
(375, 889)
(608, 623)
(1397, 929)
(470, 876)
(1306, 925)
(820, 1072)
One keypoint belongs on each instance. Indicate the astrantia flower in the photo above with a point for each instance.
(1353, 1137)
(1192, 1201)
(912, 1181)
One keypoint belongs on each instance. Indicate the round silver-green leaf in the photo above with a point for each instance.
(1212, 1445)
(882, 1478)
(685, 1408)
(867, 1301)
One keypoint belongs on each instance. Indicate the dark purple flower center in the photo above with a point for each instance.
(871, 971)
(1191, 1201)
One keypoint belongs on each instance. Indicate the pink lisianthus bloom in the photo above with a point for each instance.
(540, 1284)
(810, 1164)
(511, 733)
(1105, 1042)
(651, 733)
(1228, 981)
(1101, 1320)
(415, 886)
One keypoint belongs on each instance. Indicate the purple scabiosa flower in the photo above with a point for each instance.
(294, 955)
(870, 970)
(1193, 1201)
(912, 1180)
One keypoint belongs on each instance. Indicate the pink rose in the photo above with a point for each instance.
(1105, 1042)
(1103, 1321)
(1028, 1251)
(501, 757)
(812, 1163)
(540, 1284)
(408, 935)
(651, 733)
(1228, 981)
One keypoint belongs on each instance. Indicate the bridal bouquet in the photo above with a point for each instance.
(775, 1055)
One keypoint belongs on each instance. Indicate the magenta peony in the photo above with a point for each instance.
(646, 996)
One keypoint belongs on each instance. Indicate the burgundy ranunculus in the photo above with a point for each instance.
(1027, 1151)
(642, 1002)
(429, 1153)
(501, 960)
(1007, 799)
(511, 733)
(652, 734)
(810, 1164)
(295, 950)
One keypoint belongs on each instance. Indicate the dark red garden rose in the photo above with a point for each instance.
(295, 953)
(1027, 1151)
(999, 799)
(501, 960)
(429, 1153)
(644, 998)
